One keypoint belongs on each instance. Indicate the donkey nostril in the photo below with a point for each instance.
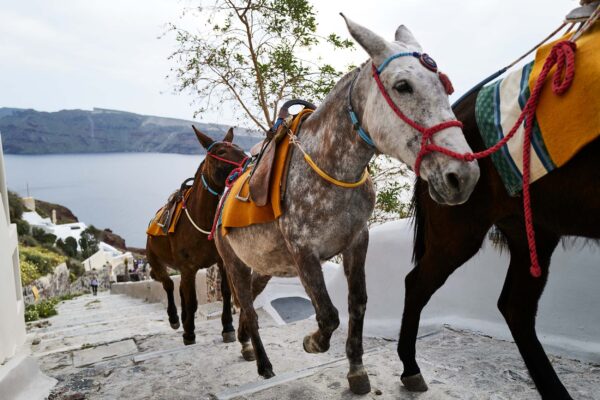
(453, 181)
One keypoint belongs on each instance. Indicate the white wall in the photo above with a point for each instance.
(568, 319)
(12, 323)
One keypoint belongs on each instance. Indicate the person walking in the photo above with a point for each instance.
(94, 285)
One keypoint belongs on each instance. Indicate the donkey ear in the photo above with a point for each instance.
(377, 47)
(405, 36)
(229, 136)
(204, 140)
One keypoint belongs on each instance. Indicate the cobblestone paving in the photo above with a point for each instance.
(456, 364)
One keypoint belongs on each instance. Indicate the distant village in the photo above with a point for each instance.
(106, 256)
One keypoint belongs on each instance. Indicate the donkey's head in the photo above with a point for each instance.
(403, 96)
(221, 157)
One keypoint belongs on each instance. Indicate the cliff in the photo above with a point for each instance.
(105, 131)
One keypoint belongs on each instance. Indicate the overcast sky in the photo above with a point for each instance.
(65, 54)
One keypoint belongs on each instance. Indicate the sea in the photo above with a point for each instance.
(119, 191)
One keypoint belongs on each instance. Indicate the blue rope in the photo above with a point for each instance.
(392, 58)
(210, 190)
(361, 132)
(210, 147)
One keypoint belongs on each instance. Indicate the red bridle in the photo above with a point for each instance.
(427, 145)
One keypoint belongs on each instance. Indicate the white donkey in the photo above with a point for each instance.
(393, 104)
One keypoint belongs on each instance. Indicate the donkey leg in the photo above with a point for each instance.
(183, 308)
(518, 304)
(228, 332)
(259, 282)
(190, 302)
(240, 276)
(311, 275)
(354, 268)
(159, 273)
(442, 257)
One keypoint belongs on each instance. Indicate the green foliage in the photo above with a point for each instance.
(31, 313)
(252, 56)
(69, 296)
(23, 227)
(28, 240)
(43, 309)
(47, 308)
(393, 186)
(15, 206)
(76, 267)
(29, 272)
(42, 236)
(88, 242)
(68, 246)
(44, 260)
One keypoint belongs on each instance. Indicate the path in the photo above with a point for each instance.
(115, 347)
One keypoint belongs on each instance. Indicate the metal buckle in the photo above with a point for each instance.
(240, 198)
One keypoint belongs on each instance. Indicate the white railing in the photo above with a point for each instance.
(12, 323)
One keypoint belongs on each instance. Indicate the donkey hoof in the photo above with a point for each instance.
(228, 337)
(248, 353)
(415, 383)
(267, 373)
(189, 341)
(359, 383)
(311, 346)
(175, 325)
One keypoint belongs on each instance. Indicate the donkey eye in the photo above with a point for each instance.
(403, 87)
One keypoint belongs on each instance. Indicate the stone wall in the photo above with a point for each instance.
(213, 284)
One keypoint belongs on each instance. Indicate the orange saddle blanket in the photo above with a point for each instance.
(157, 224)
(238, 209)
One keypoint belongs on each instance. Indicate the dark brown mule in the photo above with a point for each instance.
(564, 202)
(189, 250)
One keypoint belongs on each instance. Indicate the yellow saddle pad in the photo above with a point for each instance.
(571, 121)
(238, 213)
(154, 229)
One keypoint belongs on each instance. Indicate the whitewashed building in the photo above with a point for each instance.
(20, 376)
(61, 231)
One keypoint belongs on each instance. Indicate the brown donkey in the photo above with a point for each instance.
(188, 248)
(565, 202)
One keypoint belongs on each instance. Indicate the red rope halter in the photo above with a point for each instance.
(563, 56)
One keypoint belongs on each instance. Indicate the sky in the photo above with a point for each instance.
(80, 54)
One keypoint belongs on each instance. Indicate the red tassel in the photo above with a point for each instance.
(446, 82)
(535, 271)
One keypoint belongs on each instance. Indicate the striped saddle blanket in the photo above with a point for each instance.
(564, 124)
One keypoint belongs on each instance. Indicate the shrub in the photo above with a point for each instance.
(42, 236)
(76, 267)
(29, 272)
(23, 227)
(31, 313)
(28, 240)
(68, 246)
(15, 206)
(44, 260)
(47, 308)
(43, 309)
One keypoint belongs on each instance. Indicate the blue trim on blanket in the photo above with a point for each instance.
(500, 134)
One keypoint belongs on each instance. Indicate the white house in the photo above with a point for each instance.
(19, 373)
(108, 255)
(61, 231)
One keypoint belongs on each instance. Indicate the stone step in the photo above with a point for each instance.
(258, 386)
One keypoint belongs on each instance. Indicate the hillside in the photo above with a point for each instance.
(104, 131)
